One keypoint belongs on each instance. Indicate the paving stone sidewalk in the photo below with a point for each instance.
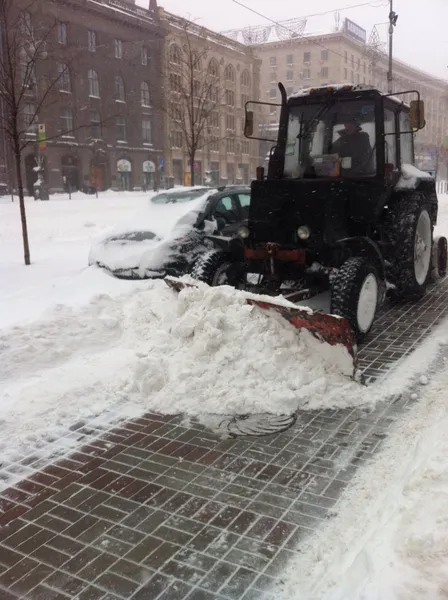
(155, 509)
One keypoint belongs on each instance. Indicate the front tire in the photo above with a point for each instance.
(355, 295)
(439, 258)
(410, 232)
(213, 268)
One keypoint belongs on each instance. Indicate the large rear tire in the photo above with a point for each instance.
(410, 230)
(355, 295)
(212, 268)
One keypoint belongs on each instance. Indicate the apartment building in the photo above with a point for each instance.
(99, 116)
(230, 71)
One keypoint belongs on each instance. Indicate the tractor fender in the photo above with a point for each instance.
(364, 245)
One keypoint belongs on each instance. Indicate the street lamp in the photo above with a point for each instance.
(393, 17)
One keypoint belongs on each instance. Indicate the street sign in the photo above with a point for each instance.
(42, 138)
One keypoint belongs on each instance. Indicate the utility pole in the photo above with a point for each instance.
(393, 17)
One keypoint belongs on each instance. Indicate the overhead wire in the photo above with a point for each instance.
(309, 39)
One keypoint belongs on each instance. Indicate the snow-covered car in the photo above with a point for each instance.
(169, 236)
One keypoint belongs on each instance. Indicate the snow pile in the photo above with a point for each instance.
(217, 354)
(389, 540)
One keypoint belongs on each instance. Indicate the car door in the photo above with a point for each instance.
(227, 213)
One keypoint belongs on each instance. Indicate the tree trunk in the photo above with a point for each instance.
(26, 246)
(192, 169)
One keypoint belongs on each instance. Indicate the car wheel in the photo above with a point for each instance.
(214, 268)
(439, 258)
(355, 295)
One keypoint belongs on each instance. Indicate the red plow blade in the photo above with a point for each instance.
(327, 328)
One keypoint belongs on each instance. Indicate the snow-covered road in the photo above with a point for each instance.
(77, 344)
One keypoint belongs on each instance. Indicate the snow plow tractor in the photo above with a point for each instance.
(341, 209)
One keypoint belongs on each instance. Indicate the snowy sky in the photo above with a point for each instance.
(426, 49)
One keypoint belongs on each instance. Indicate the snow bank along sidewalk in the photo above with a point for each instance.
(204, 351)
(389, 540)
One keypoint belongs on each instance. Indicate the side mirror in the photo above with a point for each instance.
(417, 114)
(249, 124)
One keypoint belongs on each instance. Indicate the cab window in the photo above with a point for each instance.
(406, 145)
(390, 138)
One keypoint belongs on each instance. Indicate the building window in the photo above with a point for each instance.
(289, 75)
(273, 110)
(230, 122)
(214, 119)
(213, 68)
(64, 80)
(94, 84)
(245, 78)
(145, 96)
(345, 74)
(307, 57)
(230, 98)
(66, 121)
(230, 143)
(144, 56)
(324, 55)
(175, 54)
(119, 89)
(120, 124)
(324, 72)
(244, 100)
(359, 63)
(175, 83)
(26, 23)
(289, 60)
(229, 74)
(353, 61)
(273, 77)
(306, 73)
(346, 56)
(95, 125)
(352, 77)
(177, 139)
(273, 93)
(118, 49)
(29, 118)
(245, 147)
(146, 131)
(62, 33)
(273, 61)
(91, 39)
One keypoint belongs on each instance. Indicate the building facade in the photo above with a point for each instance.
(302, 61)
(223, 78)
(103, 61)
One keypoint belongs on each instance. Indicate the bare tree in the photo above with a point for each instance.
(191, 100)
(32, 75)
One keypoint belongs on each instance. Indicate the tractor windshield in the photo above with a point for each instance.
(331, 139)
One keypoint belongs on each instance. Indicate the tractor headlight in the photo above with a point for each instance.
(243, 232)
(304, 232)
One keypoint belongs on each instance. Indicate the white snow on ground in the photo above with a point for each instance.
(76, 343)
(389, 540)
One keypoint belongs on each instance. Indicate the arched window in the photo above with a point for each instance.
(64, 80)
(213, 68)
(175, 54)
(145, 94)
(229, 74)
(119, 88)
(94, 84)
(245, 78)
(196, 61)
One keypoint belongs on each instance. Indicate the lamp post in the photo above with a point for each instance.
(393, 17)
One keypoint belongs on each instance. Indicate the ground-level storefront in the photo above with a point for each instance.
(99, 167)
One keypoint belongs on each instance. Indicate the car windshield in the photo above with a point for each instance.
(331, 139)
(171, 197)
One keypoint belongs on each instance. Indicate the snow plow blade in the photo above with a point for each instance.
(327, 328)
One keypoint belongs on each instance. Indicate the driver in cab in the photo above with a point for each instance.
(354, 144)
